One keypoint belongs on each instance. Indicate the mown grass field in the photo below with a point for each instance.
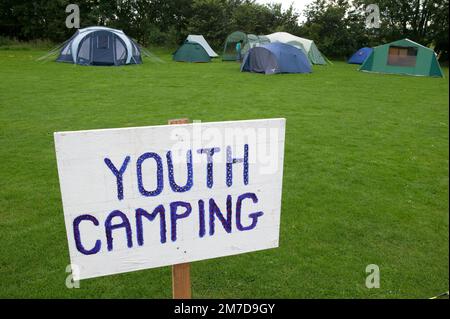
(365, 176)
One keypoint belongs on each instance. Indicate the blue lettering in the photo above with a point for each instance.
(215, 211)
(201, 215)
(231, 161)
(124, 224)
(174, 216)
(76, 232)
(118, 174)
(162, 221)
(159, 174)
(209, 165)
(253, 216)
(189, 181)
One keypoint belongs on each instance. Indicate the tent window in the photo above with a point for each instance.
(120, 50)
(102, 42)
(135, 49)
(85, 49)
(402, 56)
(66, 50)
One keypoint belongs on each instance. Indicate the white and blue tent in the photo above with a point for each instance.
(100, 46)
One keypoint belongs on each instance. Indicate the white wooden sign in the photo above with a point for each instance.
(145, 197)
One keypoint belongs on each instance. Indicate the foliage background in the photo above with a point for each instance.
(337, 26)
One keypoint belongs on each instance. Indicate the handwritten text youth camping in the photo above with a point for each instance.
(145, 197)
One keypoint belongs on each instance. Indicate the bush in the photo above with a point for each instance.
(7, 43)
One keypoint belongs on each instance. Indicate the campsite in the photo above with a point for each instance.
(365, 177)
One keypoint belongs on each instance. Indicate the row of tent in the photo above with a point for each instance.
(260, 54)
(249, 41)
(282, 52)
(191, 49)
(278, 52)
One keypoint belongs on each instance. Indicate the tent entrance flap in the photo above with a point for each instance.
(402, 56)
(103, 53)
(231, 50)
(264, 62)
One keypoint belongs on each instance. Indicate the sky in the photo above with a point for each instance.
(299, 5)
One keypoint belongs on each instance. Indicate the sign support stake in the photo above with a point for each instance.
(181, 273)
(181, 281)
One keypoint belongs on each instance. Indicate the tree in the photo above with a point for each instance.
(423, 21)
(335, 26)
(28, 20)
(211, 19)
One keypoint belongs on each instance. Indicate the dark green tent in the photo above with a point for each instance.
(403, 57)
(248, 41)
(229, 51)
(191, 52)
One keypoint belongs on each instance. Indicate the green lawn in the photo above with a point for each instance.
(365, 175)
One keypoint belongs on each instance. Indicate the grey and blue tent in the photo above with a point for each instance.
(276, 58)
(100, 46)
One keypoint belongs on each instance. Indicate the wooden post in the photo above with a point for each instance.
(181, 281)
(181, 273)
(179, 121)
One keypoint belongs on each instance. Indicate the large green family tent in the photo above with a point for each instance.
(248, 41)
(403, 57)
(191, 52)
(306, 45)
(229, 50)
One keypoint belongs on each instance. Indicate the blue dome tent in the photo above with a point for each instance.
(360, 56)
(100, 46)
(276, 58)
